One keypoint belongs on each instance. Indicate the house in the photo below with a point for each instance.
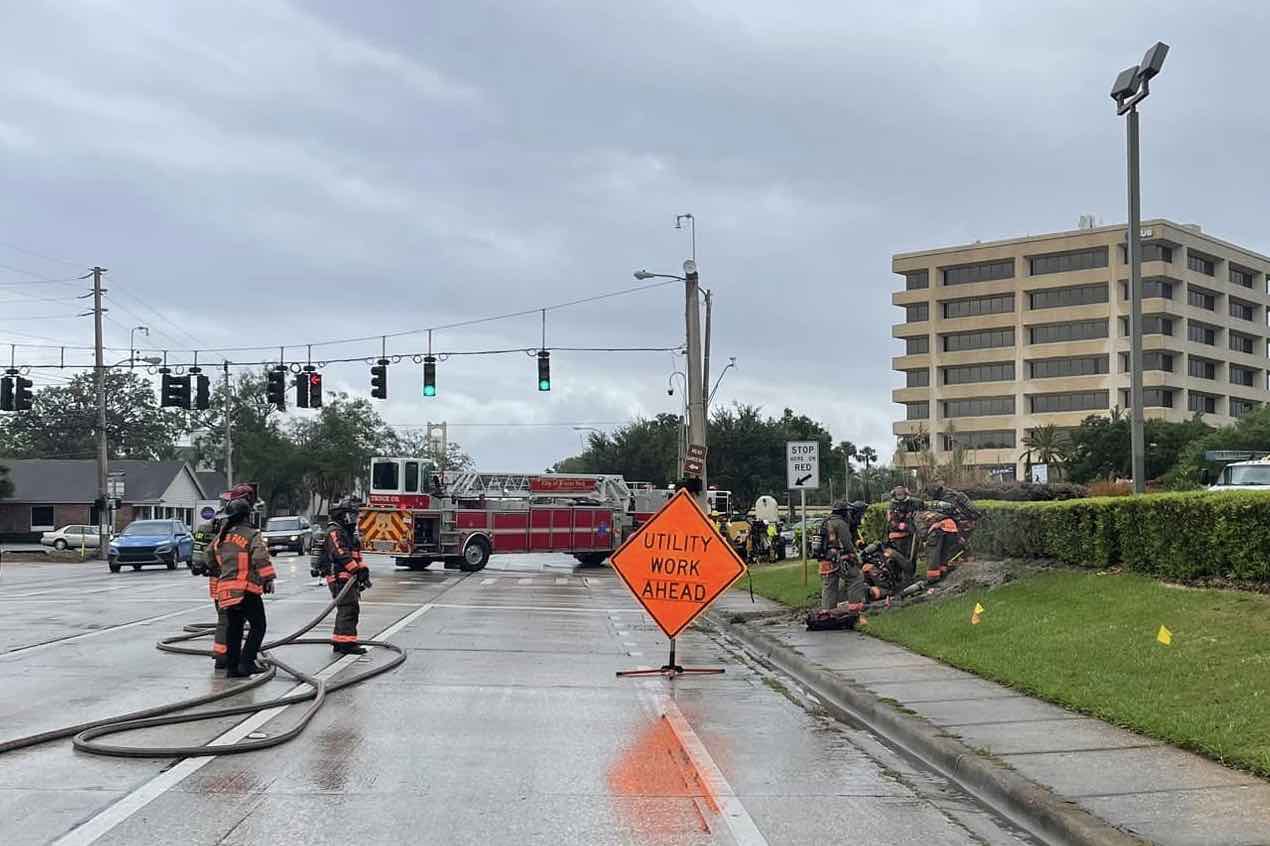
(50, 493)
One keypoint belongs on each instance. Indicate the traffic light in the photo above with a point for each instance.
(302, 390)
(276, 388)
(430, 376)
(6, 393)
(22, 396)
(379, 379)
(315, 388)
(202, 391)
(175, 391)
(544, 370)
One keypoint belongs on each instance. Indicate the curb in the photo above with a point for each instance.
(1034, 806)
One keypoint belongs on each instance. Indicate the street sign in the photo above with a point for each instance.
(697, 451)
(802, 465)
(695, 460)
(677, 564)
(1041, 474)
(115, 485)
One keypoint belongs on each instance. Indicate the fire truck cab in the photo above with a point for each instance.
(419, 515)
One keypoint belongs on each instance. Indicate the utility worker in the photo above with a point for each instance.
(775, 546)
(840, 563)
(245, 571)
(340, 562)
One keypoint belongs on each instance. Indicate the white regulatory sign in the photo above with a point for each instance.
(802, 465)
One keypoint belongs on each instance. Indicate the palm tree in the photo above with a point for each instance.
(868, 455)
(1047, 445)
(847, 450)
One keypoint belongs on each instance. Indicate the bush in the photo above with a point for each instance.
(1025, 491)
(1105, 488)
(1171, 535)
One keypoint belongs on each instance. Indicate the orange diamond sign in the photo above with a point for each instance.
(677, 564)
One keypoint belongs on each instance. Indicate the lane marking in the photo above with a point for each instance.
(104, 822)
(488, 581)
(525, 581)
(36, 647)
(731, 810)
(561, 580)
(567, 608)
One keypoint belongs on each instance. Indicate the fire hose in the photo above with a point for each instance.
(84, 735)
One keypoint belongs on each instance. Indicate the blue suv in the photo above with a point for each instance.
(167, 542)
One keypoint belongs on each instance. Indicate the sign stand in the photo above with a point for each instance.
(670, 669)
(676, 565)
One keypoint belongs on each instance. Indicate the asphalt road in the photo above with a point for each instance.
(506, 725)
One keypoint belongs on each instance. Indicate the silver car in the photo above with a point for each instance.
(288, 533)
(72, 537)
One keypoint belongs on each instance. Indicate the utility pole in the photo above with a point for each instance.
(696, 391)
(103, 544)
(705, 366)
(229, 432)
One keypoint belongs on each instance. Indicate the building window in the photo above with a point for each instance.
(983, 272)
(913, 443)
(1053, 368)
(1201, 368)
(1002, 304)
(1066, 262)
(1245, 376)
(1240, 407)
(1155, 324)
(1243, 343)
(1241, 277)
(917, 378)
(915, 280)
(1074, 401)
(1074, 296)
(917, 312)
(917, 346)
(1157, 288)
(1150, 252)
(918, 411)
(978, 406)
(986, 339)
(1203, 403)
(1157, 398)
(1001, 439)
(1201, 264)
(1079, 330)
(1151, 360)
(1201, 298)
(1201, 333)
(1242, 310)
(966, 374)
(42, 518)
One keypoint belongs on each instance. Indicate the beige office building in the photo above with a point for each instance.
(1005, 336)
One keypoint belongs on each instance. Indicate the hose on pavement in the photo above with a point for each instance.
(84, 735)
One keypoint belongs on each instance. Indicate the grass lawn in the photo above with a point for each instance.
(784, 583)
(1089, 642)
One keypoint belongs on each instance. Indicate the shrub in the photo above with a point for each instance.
(1107, 488)
(1025, 491)
(1170, 535)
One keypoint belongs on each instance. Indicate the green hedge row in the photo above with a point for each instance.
(1174, 535)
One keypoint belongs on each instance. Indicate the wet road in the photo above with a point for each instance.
(506, 725)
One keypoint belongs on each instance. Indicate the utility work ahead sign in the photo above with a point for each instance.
(802, 465)
(677, 564)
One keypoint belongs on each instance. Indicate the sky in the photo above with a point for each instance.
(266, 173)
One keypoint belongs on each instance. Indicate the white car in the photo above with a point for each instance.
(72, 537)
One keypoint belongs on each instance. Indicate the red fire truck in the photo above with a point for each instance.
(465, 517)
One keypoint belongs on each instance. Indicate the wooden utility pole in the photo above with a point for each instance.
(103, 546)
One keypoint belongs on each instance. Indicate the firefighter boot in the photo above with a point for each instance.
(349, 649)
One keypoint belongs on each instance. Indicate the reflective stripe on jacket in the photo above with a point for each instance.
(344, 550)
(242, 559)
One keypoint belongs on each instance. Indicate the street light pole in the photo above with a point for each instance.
(696, 391)
(1131, 87)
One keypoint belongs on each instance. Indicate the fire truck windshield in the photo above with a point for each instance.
(385, 476)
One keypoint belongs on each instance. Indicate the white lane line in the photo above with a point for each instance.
(27, 650)
(731, 811)
(488, 581)
(541, 608)
(561, 580)
(525, 581)
(117, 813)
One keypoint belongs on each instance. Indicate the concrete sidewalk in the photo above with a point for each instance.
(1139, 785)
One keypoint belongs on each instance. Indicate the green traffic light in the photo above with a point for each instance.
(429, 390)
(544, 384)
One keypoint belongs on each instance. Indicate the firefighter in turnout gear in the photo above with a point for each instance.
(950, 520)
(840, 565)
(201, 564)
(901, 529)
(340, 562)
(244, 572)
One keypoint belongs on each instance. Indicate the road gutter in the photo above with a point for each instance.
(1028, 804)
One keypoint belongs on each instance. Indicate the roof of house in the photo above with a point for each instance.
(45, 480)
(213, 483)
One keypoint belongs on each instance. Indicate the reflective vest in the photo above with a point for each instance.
(242, 561)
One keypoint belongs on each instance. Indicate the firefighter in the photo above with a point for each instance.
(840, 565)
(901, 529)
(341, 561)
(962, 510)
(942, 541)
(202, 565)
(245, 571)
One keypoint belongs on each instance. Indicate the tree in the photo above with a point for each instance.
(1250, 432)
(1047, 445)
(869, 456)
(62, 422)
(1101, 446)
(6, 484)
(841, 455)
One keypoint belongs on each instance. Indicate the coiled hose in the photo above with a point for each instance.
(85, 734)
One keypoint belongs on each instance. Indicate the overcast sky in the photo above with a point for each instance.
(264, 173)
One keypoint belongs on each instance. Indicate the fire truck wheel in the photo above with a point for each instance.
(591, 559)
(475, 555)
(419, 563)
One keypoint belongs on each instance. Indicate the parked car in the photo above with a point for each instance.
(72, 537)
(288, 533)
(792, 534)
(167, 542)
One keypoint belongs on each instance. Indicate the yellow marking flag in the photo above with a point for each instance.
(1164, 636)
(974, 617)
(978, 608)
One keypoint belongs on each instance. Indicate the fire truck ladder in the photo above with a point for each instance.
(610, 489)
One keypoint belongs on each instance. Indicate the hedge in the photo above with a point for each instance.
(1173, 535)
